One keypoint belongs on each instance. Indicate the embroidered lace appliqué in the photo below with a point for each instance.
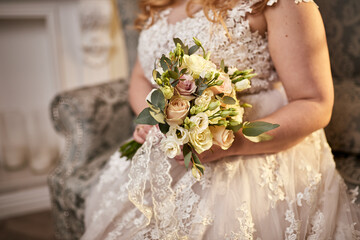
(317, 223)
(271, 177)
(246, 225)
(292, 231)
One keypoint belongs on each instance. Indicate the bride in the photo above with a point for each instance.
(286, 188)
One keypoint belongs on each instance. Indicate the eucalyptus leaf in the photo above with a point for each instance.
(145, 118)
(183, 71)
(165, 62)
(235, 128)
(261, 138)
(253, 129)
(228, 100)
(197, 162)
(158, 99)
(193, 49)
(187, 155)
(159, 117)
(178, 40)
(173, 75)
(155, 74)
(164, 128)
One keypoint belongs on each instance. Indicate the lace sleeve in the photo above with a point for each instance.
(272, 2)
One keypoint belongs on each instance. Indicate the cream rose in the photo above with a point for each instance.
(177, 110)
(170, 146)
(225, 87)
(181, 135)
(201, 141)
(197, 65)
(222, 136)
(201, 122)
(205, 98)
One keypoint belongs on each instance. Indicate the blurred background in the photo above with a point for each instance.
(63, 62)
(47, 47)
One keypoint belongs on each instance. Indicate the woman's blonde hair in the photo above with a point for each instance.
(150, 8)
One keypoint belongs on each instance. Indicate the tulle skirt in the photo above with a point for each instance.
(294, 194)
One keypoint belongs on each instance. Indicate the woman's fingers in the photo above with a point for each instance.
(140, 133)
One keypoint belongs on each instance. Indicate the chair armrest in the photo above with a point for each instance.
(94, 121)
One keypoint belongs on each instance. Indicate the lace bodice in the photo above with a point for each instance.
(246, 49)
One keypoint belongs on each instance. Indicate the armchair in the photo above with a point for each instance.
(94, 121)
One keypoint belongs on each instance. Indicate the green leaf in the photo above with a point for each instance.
(154, 74)
(193, 49)
(164, 128)
(187, 155)
(158, 99)
(201, 86)
(253, 129)
(174, 82)
(183, 71)
(158, 116)
(173, 75)
(235, 128)
(186, 49)
(222, 64)
(178, 40)
(145, 118)
(165, 62)
(153, 107)
(129, 149)
(197, 162)
(261, 138)
(228, 100)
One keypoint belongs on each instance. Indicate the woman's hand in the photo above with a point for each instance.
(140, 133)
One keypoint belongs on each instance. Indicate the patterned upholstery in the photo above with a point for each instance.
(342, 23)
(96, 119)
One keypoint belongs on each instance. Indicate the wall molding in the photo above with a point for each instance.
(23, 202)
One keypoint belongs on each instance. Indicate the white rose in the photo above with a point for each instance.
(242, 85)
(222, 136)
(197, 65)
(201, 121)
(205, 98)
(180, 134)
(201, 141)
(170, 146)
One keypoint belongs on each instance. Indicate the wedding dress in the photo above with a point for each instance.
(293, 194)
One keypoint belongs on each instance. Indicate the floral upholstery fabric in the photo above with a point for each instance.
(342, 23)
(94, 122)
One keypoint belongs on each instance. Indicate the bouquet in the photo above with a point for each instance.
(196, 106)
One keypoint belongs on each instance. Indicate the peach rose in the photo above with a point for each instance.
(222, 136)
(225, 87)
(177, 110)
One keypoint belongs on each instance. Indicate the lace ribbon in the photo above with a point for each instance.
(150, 165)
